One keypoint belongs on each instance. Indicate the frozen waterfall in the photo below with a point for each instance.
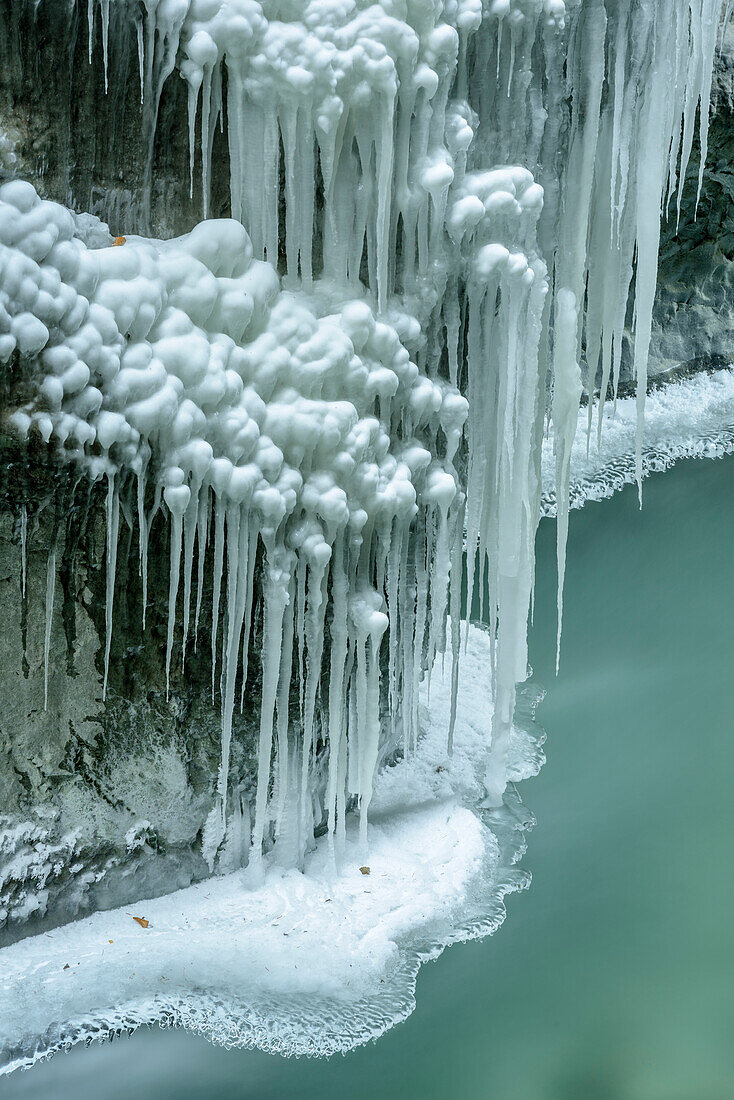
(329, 409)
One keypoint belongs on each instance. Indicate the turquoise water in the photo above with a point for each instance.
(612, 978)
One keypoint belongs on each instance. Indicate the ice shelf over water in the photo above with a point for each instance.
(689, 418)
(445, 220)
(306, 963)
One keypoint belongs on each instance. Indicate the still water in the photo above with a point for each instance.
(613, 978)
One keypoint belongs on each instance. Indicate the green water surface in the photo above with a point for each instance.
(613, 978)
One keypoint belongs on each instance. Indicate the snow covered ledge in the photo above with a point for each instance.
(305, 963)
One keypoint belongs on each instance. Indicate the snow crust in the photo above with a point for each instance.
(314, 962)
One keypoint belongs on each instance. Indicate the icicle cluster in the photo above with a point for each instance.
(297, 421)
(259, 420)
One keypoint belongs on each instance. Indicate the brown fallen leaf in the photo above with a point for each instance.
(365, 870)
(110, 941)
(141, 921)
(120, 240)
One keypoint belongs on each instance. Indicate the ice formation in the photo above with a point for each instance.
(305, 963)
(287, 417)
(444, 216)
(689, 418)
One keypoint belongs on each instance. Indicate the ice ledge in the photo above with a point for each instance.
(311, 963)
(693, 418)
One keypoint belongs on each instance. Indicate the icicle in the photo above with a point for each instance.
(105, 39)
(190, 521)
(194, 83)
(251, 555)
(728, 11)
(422, 582)
(113, 523)
(143, 534)
(301, 573)
(393, 577)
(219, 514)
(511, 71)
(50, 592)
(289, 130)
(282, 710)
(337, 686)
(407, 629)
(275, 597)
(23, 548)
(141, 57)
(650, 179)
(202, 533)
(237, 552)
(385, 152)
(315, 647)
(566, 396)
(177, 497)
(710, 14)
(370, 624)
(90, 28)
(457, 556)
(206, 139)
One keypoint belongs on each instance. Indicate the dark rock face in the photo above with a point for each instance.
(93, 149)
(102, 801)
(695, 300)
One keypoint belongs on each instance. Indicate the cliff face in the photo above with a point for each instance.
(103, 801)
(694, 312)
(84, 140)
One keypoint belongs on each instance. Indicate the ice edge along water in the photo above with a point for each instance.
(312, 963)
(690, 418)
(322, 425)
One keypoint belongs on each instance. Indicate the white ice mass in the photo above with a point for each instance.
(338, 400)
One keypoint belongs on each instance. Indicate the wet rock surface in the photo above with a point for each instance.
(103, 801)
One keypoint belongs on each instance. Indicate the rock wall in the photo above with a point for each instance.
(694, 311)
(102, 802)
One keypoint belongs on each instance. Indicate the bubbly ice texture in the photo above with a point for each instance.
(312, 963)
(261, 414)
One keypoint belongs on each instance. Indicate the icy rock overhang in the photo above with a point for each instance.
(450, 215)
